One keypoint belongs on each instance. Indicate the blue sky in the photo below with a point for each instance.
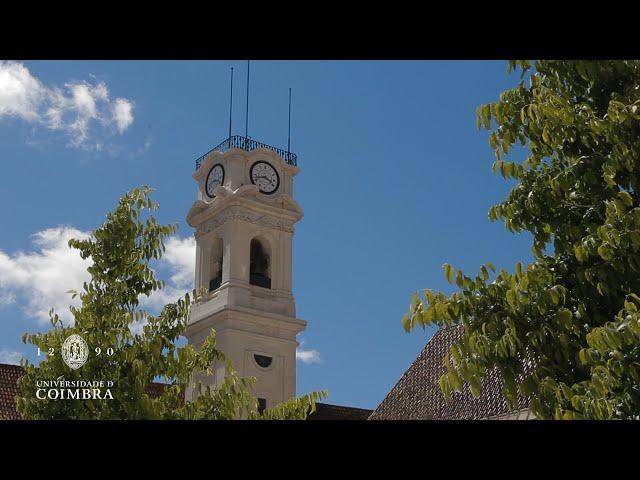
(395, 181)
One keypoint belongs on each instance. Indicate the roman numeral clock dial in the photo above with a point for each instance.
(265, 177)
(215, 178)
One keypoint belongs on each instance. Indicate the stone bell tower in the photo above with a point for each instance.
(244, 219)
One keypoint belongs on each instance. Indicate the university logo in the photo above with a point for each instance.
(75, 351)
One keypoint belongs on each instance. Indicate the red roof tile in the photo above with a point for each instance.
(9, 375)
(417, 395)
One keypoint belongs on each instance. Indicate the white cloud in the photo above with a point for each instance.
(123, 113)
(307, 356)
(79, 110)
(178, 263)
(7, 298)
(39, 279)
(180, 254)
(10, 357)
(20, 93)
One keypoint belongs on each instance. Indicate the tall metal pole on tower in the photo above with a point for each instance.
(289, 133)
(230, 107)
(246, 125)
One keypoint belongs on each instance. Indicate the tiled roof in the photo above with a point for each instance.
(325, 411)
(9, 375)
(417, 395)
(155, 389)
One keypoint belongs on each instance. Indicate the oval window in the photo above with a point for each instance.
(262, 360)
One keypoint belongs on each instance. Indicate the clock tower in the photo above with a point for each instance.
(244, 218)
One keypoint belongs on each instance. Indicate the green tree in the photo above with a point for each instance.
(121, 251)
(574, 311)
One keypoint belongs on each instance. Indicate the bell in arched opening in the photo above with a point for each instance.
(259, 271)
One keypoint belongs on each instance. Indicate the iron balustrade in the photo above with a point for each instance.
(248, 144)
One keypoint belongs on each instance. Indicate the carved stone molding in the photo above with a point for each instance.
(236, 213)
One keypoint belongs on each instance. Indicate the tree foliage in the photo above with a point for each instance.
(574, 311)
(144, 345)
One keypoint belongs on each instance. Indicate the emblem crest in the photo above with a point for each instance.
(75, 351)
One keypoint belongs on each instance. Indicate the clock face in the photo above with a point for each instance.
(214, 179)
(265, 177)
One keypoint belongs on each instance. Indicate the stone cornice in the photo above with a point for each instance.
(238, 213)
(251, 320)
(280, 212)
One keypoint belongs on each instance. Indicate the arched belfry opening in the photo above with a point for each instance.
(215, 265)
(260, 264)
